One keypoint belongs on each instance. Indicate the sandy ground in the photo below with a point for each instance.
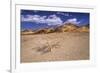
(54, 47)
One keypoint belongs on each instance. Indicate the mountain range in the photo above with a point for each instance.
(66, 27)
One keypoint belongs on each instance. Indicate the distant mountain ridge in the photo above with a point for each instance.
(66, 27)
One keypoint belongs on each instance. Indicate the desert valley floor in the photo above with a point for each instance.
(64, 46)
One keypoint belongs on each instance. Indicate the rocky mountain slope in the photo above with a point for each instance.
(67, 27)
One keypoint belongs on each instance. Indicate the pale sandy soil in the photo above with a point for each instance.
(54, 47)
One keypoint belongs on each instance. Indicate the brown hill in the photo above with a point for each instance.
(27, 32)
(68, 27)
(83, 29)
(45, 30)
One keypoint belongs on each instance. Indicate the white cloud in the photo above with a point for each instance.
(64, 14)
(73, 21)
(30, 18)
(54, 20)
(42, 19)
(50, 20)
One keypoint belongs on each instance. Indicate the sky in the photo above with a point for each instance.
(35, 19)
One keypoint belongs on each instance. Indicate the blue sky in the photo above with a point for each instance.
(35, 19)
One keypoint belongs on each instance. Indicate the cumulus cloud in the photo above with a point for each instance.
(31, 18)
(50, 20)
(54, 20)
(73, 21)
